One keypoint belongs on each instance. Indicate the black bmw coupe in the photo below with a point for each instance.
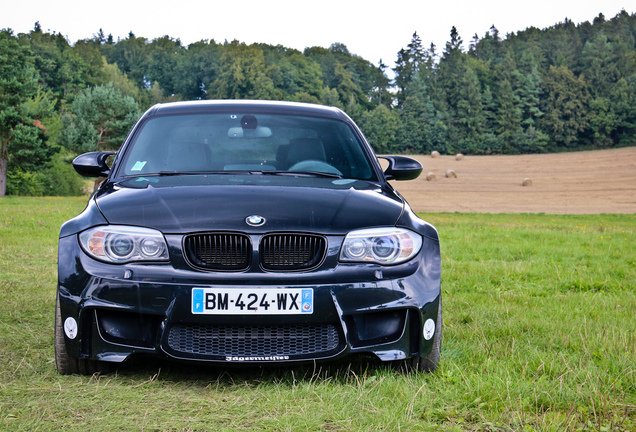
(247, 232)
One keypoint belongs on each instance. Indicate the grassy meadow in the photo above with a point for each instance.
(539, 334)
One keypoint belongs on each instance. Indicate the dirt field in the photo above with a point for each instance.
(566, 183)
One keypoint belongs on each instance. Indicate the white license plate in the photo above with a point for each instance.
(259, 301)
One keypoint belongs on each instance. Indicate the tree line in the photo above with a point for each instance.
(566, 87)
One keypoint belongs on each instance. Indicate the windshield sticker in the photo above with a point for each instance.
(138, 166)
(148, 180)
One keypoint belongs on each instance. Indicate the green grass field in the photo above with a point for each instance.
(539, 316)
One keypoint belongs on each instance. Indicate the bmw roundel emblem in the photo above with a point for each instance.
(255, 220)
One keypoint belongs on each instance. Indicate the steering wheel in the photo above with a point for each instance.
(315, 165)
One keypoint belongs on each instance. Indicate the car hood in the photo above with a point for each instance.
(181, 204)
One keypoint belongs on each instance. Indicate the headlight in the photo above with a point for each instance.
(119, 244)
(381, 246)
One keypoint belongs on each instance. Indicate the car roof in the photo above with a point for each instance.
(246, 106)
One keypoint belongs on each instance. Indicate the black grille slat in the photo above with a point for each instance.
(218, 251)
(253, 341)
(232, 251)
(292, 251)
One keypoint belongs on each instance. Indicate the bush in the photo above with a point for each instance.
(23, 183)
(59, 179)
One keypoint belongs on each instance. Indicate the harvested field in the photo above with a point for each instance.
(588, 182)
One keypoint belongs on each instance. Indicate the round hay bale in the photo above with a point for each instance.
(434, 154)
(430, 176)
(459, 156)
(451, 174)
(526, 182)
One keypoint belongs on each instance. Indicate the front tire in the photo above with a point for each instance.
(67, 365)
(429, 362)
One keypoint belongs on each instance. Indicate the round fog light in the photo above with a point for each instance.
(429, 329)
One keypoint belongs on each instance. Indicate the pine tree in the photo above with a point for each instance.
(529, 93)
(565, 101)
(470, 119)
(408, 65)
(508, 115)
(381, 94)
(403, 75)
(600, 64)
(22, 105)
(100, 119)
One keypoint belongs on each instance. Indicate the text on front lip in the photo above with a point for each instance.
(265, 358)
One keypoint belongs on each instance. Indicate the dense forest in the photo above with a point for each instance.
(563, 88)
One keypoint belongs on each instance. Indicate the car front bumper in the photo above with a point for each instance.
(123, 310)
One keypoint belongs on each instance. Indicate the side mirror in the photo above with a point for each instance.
(92, 164)
(402, 168)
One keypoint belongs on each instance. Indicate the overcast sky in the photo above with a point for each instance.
(373, 30)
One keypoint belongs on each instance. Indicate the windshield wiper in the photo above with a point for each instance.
(240, 172)
(299, 173)
(178, 173)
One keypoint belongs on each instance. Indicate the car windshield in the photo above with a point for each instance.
(246, 143)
